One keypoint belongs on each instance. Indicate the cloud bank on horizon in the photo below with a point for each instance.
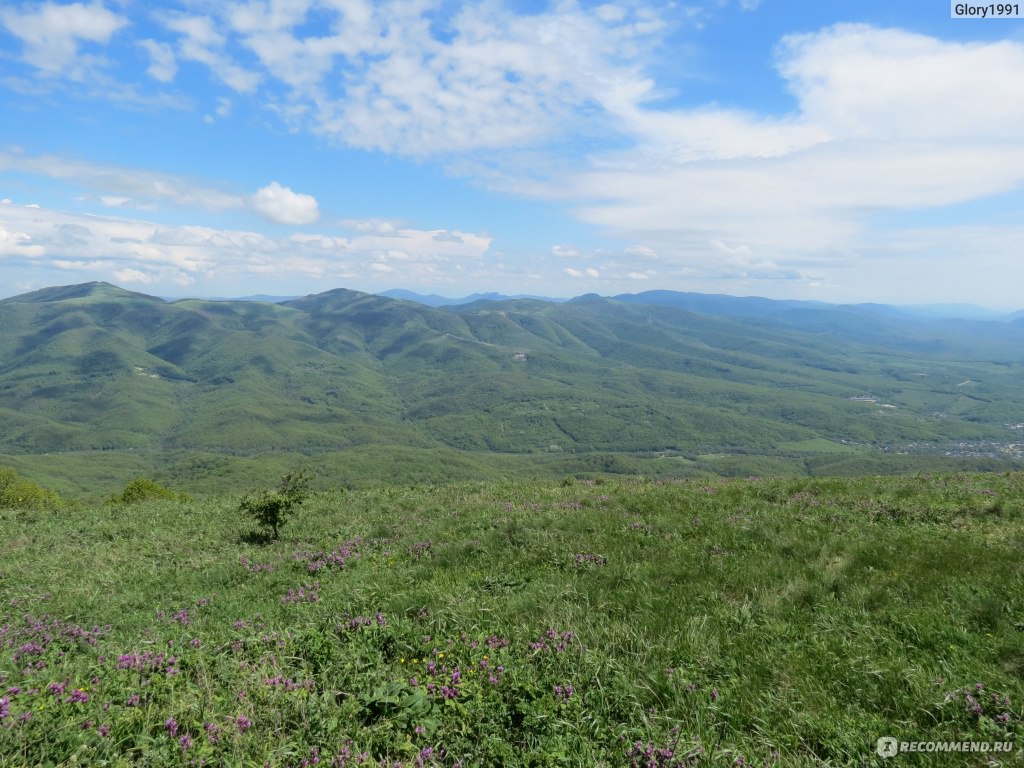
(859, 152)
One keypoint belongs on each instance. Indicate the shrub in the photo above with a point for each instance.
(144, 489)
(270, 509)
(16, 492)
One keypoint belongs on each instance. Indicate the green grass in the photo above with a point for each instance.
(735, 622)
(819, 445)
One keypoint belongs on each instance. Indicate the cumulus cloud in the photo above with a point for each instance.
(52, 34)
(282, 205)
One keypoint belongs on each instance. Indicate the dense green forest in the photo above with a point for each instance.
(99, 385)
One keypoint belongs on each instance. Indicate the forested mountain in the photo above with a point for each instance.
(400, 389)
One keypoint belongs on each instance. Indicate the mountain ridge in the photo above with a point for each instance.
(514, 385)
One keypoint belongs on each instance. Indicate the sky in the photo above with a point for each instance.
(836, 150)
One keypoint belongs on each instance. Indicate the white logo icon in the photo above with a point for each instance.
(887, 746)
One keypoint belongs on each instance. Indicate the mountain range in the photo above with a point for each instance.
(98, 384)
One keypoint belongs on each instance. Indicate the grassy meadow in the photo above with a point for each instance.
(623, 623)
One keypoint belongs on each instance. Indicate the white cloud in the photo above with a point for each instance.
(401, 242)
(139, 251)
(52, 34)
(565, 251)
(200, 41)
(376, 226)
(886, 121)
(133, 276)
(282, 205)
(380, 76)
(123, 187)
(18, 244)
(223, 109)
(610, 13)
(718, 245)
(857, 81)
(641, 252)
(162, 64)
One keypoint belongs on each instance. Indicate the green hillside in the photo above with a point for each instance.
(104, 382)
(785, 623)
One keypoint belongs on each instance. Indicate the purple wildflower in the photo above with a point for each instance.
(212, 732)
(78, 696)
(563, 692)
(172, 727)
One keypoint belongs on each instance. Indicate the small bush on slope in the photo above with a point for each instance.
(144, 489)
(16, 492)
(270, 509)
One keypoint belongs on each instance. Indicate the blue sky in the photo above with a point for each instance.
(844, 151)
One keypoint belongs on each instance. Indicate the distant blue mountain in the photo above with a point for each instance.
(956, 312)
(433, 300)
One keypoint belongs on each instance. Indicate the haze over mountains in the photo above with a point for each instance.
(367, 387)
